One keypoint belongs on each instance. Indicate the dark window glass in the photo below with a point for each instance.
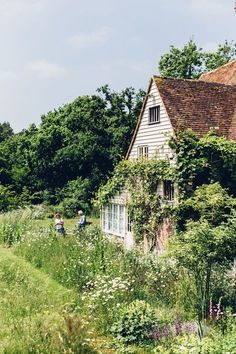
(154, 115)
(168, 190)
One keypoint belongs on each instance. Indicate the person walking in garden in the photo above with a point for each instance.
(59, 223)
(82, 219)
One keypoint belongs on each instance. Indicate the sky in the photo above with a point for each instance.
(53, 51)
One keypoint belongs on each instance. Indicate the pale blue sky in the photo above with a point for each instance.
(55, 50)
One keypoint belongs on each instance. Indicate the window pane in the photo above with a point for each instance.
(121, 219)
(143, 151)
(115, 218)
(109, 217)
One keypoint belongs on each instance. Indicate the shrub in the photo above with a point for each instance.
(8, 199)
(104, 296)
(135, 322)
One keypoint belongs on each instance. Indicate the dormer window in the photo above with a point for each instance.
(154, 115)
(143, 151)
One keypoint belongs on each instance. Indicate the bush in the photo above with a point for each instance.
(74, 196)
(8, 199)
(135, 322)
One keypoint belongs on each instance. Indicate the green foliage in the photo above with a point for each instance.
(74, 196)
(209, 202)
(79, 142)
(116, 289)
(36, 315)
(199, 161)
(6, 131)
(182, 63)
(204, 160)
(13, 225)
(203, 245)
(190, 61)
(208, 242)
(224, 283)
(135, 322)
(7, 198)
(224, 53)
(140, 180)
(214, 343)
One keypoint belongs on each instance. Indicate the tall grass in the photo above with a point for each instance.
(106, 277)
(14, 224)
(38, 315)
(101, 278)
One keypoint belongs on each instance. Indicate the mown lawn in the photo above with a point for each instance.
(70, 224)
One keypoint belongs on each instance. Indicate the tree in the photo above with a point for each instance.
(208, 242)
(224, 53)
(82, 140)
(182, 63)
(6, 131)
(190, 61)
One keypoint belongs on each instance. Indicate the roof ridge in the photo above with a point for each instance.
(219, 67)
(172, 78)
(197, 81)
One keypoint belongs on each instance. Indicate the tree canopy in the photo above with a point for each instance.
(80, 142)
(190, 61)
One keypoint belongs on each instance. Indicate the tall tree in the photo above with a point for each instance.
(190, 61)
(80, 142)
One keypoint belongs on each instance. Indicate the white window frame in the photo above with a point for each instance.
(142, 151)
(113, 219)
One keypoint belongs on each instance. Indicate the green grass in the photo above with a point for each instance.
(37, 315)
(70, 224)
(63, 294)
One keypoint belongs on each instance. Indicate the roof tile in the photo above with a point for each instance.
(199, 105)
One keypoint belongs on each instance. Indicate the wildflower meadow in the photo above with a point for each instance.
(82, 293)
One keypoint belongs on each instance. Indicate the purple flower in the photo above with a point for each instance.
(218, 309)
(178, 325)
(211, 309)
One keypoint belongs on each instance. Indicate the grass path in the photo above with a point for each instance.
(38, 315)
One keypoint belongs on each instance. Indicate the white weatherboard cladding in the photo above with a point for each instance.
(157, 135)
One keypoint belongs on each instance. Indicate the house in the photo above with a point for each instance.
(171, 105)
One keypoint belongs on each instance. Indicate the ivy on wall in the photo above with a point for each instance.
(199, 161)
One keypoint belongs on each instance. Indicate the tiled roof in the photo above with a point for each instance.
(199, 105)
(225, 74)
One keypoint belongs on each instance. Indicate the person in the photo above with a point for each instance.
(59, 223)
(82, 219)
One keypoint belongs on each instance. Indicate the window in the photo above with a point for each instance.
(168, 190)
(143, 151)
(109, 217)
(113, 219)
(154, 115)
(104, 218)
(121, 219)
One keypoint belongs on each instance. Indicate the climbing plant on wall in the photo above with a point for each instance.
(140, 179)
(199, 161)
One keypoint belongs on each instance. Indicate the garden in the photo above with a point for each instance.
(83, 293)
